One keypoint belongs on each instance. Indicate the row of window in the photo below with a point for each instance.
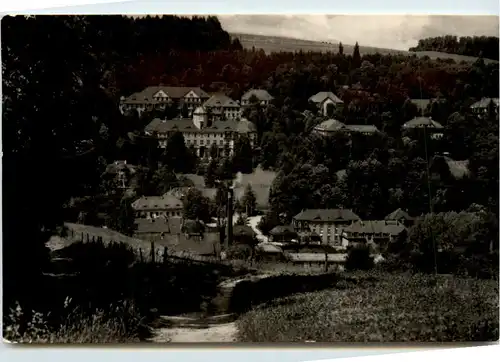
(156, 214)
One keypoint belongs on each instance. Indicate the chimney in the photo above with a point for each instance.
(229, 230)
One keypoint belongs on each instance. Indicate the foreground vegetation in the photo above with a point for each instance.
(387, 308)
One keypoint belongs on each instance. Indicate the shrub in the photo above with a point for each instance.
(358, 258)
(116, 324)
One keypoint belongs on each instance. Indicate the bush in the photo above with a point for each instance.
(394, 308)
(358, 258)
(116, 324)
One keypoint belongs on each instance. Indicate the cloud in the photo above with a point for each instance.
(384, 31)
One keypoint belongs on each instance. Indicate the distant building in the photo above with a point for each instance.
(261, 95)
(122, 172)
(159, 97)
(434, 128)
(200, 135)
(323, 99)
(221, 107)
(152, 207)
(327, 223)
(331, 126)
(156, 229)
(481, 106)
(400, 216)
(380, 232)
(283, 234)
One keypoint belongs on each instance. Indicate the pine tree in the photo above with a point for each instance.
(356, 56)
(249, 201)
(341, 49)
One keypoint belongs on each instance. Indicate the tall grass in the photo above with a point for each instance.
(392, 308)
(115, 324)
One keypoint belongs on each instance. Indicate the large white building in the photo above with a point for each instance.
(200, 134)
(221, 107)
(159, 97)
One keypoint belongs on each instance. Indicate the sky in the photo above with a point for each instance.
(384, 31)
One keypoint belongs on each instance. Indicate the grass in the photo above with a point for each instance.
(391, 308)
(117, 324)
(276, 44)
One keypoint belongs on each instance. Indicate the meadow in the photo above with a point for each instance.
(381, 307)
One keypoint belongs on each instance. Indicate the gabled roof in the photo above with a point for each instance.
(485, 102)
(243, 230)
(458, 169)
(398, 214)
(220, 100)
(187, 125)
(322, 96)
(364, 128)
(157, 203)
(261, 94)
(283, 230)
(330, 125)
(419, 122)
(327, 215)
(376, 227)
(171, 225)
(147, 94)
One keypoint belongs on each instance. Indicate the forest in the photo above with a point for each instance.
(63, 78)
(473, 46)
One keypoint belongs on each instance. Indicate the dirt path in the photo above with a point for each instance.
(212, 334)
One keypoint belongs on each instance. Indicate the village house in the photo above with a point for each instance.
(156, 229)
(221, 107)
(283, 234)
(434, 128)
(400, 216)
(261, 95)
(200, 135)
(327, 223)
(122, 172)
(481, 107)
(159, 97)
(151, 207)
(323, 99)
(379, 232)
(329, 127)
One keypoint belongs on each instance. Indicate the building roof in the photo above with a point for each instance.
(330, 125)
(243, 230)
(171, 225)
(398, 214)
(269, 248)
(316, 257)
(157, 203)
(220, 100)
(147, 94)
(376, 227)
(283, 230)
(327, 215)
(419, 122)
(322, 96)
(261, 94)
(363, 128)
(485, 102)
(187, 125)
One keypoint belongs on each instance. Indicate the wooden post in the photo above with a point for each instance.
(93, 238)
(165, 254)
(88, 238)
(153, 251)
(140, 255)
(326, 260)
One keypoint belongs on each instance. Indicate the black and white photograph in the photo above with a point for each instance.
(227, 179)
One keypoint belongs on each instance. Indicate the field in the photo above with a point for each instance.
(275, 44)
(388, 308)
